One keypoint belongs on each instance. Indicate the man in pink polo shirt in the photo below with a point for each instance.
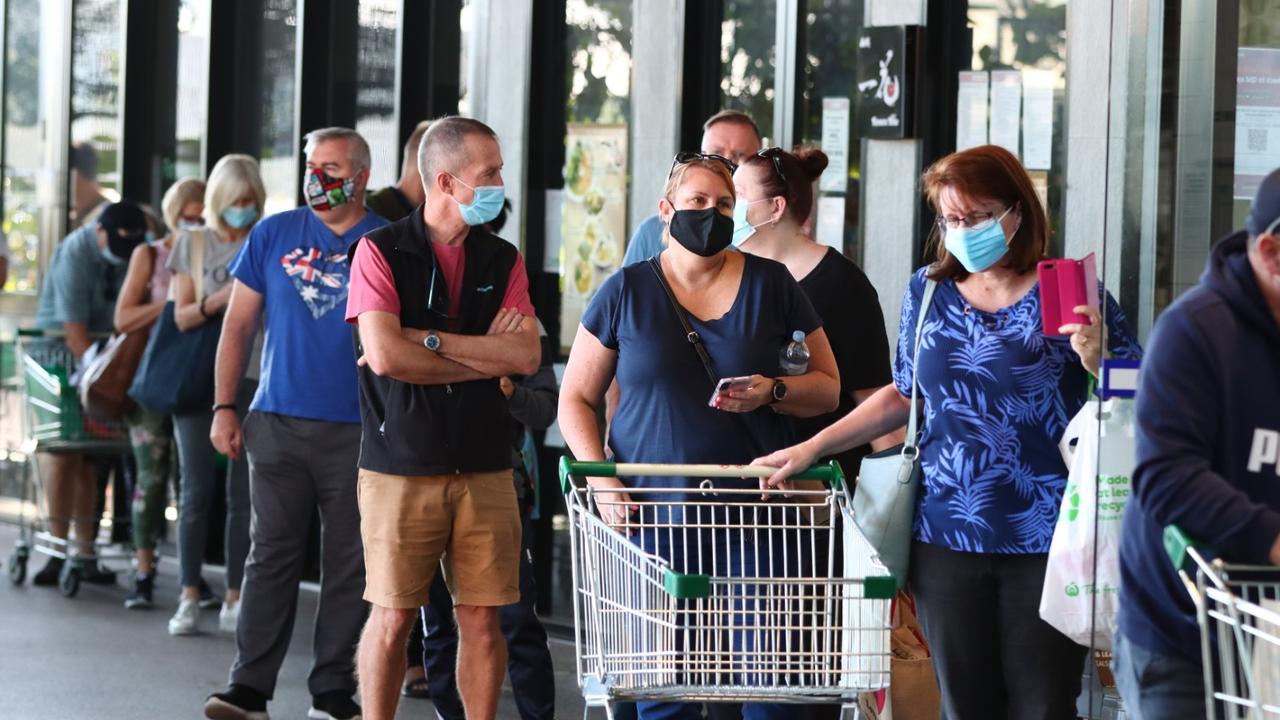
(442, 310)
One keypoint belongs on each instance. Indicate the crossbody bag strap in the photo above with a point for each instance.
(690, 334)
(913, 424)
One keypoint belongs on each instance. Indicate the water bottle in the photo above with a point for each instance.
(795, 355)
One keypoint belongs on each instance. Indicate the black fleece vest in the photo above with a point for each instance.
(436, 429)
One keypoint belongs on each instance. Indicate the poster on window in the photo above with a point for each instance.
(593, 217)
(1257, 118)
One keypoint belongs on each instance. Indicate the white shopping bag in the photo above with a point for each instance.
(1080, 597)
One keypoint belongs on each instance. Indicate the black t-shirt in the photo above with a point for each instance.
(851, 315)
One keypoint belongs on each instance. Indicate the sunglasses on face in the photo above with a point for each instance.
(688, 157)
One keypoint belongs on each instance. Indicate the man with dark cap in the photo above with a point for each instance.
(86, 193)
(1208, 439)
(79, 298)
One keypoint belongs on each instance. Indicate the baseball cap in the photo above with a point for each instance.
(126, 226)
(1266, 205)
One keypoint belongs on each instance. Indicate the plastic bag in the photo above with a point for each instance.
(1079, 599)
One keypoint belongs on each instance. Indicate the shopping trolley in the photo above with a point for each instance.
(1238, 607)
(724, 593)
(53, 422)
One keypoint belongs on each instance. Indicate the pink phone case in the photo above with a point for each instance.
(1066, 284)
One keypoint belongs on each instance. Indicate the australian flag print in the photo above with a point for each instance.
(320, 279)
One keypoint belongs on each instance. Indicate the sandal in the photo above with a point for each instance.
(417, 688)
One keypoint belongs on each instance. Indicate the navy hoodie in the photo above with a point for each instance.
(1208, 437)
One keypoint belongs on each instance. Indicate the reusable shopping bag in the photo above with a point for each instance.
(913, 692)
(884, 502)
(104, 382)
(176, 374)
(1081, 595)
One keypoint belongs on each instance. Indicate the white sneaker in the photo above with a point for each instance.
(184, 620)
(228, 618)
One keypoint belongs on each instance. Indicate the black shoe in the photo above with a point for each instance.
(334, 705)
(143, 586)
(48, 574)
(92, 572)
(239, 702)
(208, 600)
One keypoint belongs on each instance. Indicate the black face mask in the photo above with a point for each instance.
(702, 232)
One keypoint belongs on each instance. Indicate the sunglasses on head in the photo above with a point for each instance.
(775, 154)
(688, 157)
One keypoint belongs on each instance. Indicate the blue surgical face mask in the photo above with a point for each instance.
(485, 206)
(240, 216)
(149, 238)
(111, 258)
(742, 228)
(980, 246)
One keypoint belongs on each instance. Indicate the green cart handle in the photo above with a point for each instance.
(830, 473)
(1178, 546)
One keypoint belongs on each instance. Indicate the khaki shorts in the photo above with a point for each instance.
(409, 524)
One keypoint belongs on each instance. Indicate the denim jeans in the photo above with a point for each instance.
(1156, 686)
(198, 459)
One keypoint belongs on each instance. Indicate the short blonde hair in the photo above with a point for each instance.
(233, 177)
(678, 173)
(185, 190)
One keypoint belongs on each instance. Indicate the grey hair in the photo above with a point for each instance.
(357, 148)
(444, 146)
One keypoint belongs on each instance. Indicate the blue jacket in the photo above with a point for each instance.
(1208, 440)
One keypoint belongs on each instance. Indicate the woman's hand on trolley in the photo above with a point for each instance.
(1087, 340)
(749, 399)
(789, 461)
(614, 502)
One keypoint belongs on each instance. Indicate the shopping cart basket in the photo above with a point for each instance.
(53, 422)
(1238, 607)
(724, 593)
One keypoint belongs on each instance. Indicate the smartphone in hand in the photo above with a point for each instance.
(730, 383)
(1064, 285)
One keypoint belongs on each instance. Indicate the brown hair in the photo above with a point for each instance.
(801, 170)
(988, 171)
(732, 116)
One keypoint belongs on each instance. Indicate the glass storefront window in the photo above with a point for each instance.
(376, 88)
(23, 144)
(599, 42)
(1030, 36)
(193, 87)
(831, 58)
(466, 23)
(96, 58)
(748, 36)
(279, 160)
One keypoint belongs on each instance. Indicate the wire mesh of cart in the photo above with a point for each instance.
(724, 593)
(53, 422)
(1238, 609)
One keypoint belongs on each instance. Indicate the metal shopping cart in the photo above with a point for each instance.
(53, 422)
(724, 593)
(1239, 614)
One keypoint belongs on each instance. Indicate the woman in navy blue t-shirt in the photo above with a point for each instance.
(997, 395)
(745, 309)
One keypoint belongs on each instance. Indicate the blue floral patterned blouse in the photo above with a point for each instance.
(998, 394)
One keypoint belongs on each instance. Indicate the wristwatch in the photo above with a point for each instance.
(779, 390)
(223, 406)
(431, 342)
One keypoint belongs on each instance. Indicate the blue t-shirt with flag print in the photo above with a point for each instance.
(300, 268)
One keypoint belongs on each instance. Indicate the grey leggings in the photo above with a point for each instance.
(198, 460)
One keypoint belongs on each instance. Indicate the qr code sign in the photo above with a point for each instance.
(1257, 140)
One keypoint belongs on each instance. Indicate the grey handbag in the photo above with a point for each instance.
(884, 502)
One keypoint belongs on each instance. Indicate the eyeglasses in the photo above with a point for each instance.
(953, 222)
(438, 304)
(775, 154)
(688, 157)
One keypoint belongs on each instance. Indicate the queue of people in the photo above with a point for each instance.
(419, 328)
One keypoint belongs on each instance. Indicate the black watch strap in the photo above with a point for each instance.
(223, 406)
